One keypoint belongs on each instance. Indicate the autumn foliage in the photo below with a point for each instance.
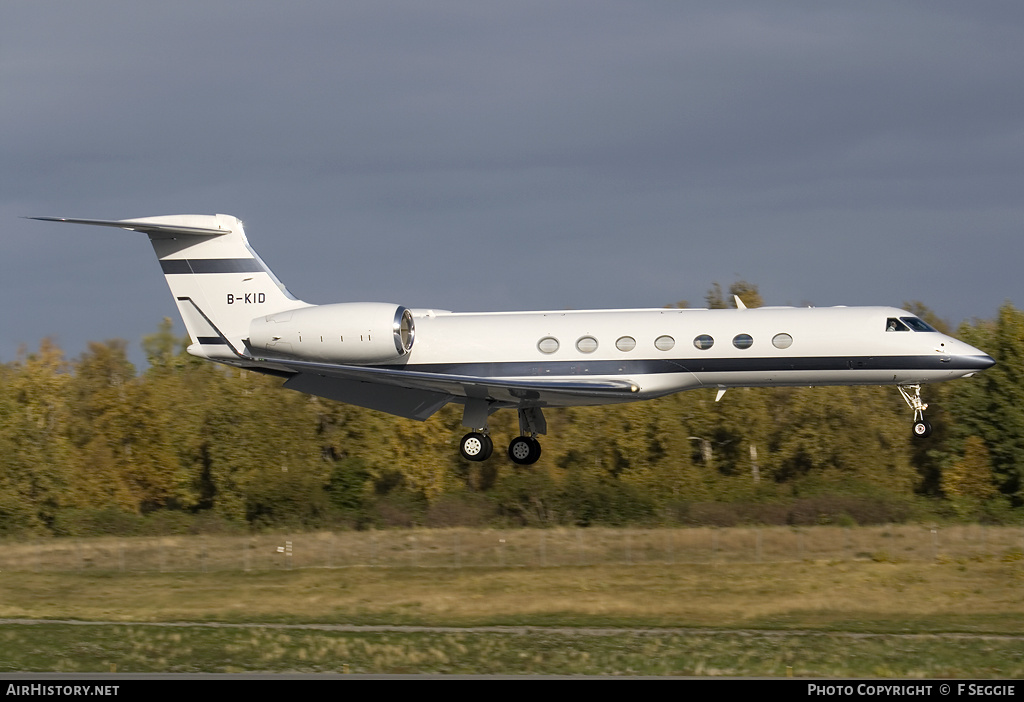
(91, 445)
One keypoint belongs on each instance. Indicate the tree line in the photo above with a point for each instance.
(91, 445)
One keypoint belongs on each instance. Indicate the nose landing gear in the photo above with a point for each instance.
(912, 395)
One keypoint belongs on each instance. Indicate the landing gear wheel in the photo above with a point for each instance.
(922, 428)
(476, 446)
(524, 450)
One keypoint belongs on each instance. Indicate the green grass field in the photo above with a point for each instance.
(863, 617)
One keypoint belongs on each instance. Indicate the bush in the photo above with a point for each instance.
(109, 521)
(398, 508)
(459, 510)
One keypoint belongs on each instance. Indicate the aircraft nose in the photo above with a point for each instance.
(966, 357)
(972, 359)
(979, 362)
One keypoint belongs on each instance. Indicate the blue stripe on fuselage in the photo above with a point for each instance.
(504, 369)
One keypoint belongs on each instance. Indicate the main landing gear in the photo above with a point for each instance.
(477, 446)
(524, 449)
(912, 395)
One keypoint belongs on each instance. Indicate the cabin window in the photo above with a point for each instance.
(782, 341)
(586, 344)
(704, 342)
(893, 324)
(625, 343)
(664, 343)
(548, 344)
(743, 341)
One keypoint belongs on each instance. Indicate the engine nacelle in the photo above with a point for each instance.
(346, 332)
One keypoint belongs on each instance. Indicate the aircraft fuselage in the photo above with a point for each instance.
(411, 363)
(663, 351)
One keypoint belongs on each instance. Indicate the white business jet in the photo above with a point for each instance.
(412, 362)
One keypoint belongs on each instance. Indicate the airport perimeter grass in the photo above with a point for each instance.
(815, 618)
(192, 649)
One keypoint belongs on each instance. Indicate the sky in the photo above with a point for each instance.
(479, 156)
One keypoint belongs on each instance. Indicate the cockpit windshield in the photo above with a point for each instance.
(908, 324)
(918, 324)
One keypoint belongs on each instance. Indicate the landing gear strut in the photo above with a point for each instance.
(912, 395)
(477, 445)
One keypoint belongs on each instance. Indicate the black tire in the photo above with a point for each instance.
(476, 446)
(922, 429)
(524, 450)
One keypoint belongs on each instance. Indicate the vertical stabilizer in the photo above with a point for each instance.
(218, 282)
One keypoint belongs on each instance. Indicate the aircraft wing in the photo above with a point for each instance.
(456, 385)
(418, 394)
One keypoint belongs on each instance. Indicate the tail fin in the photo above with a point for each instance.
(218, 282)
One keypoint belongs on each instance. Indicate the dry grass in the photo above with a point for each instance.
(976, 596)
(913, 593)
(472, 548)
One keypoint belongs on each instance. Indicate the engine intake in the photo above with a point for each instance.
(346, 332)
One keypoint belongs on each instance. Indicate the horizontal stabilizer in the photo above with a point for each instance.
(213, 274)
(149, 226)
